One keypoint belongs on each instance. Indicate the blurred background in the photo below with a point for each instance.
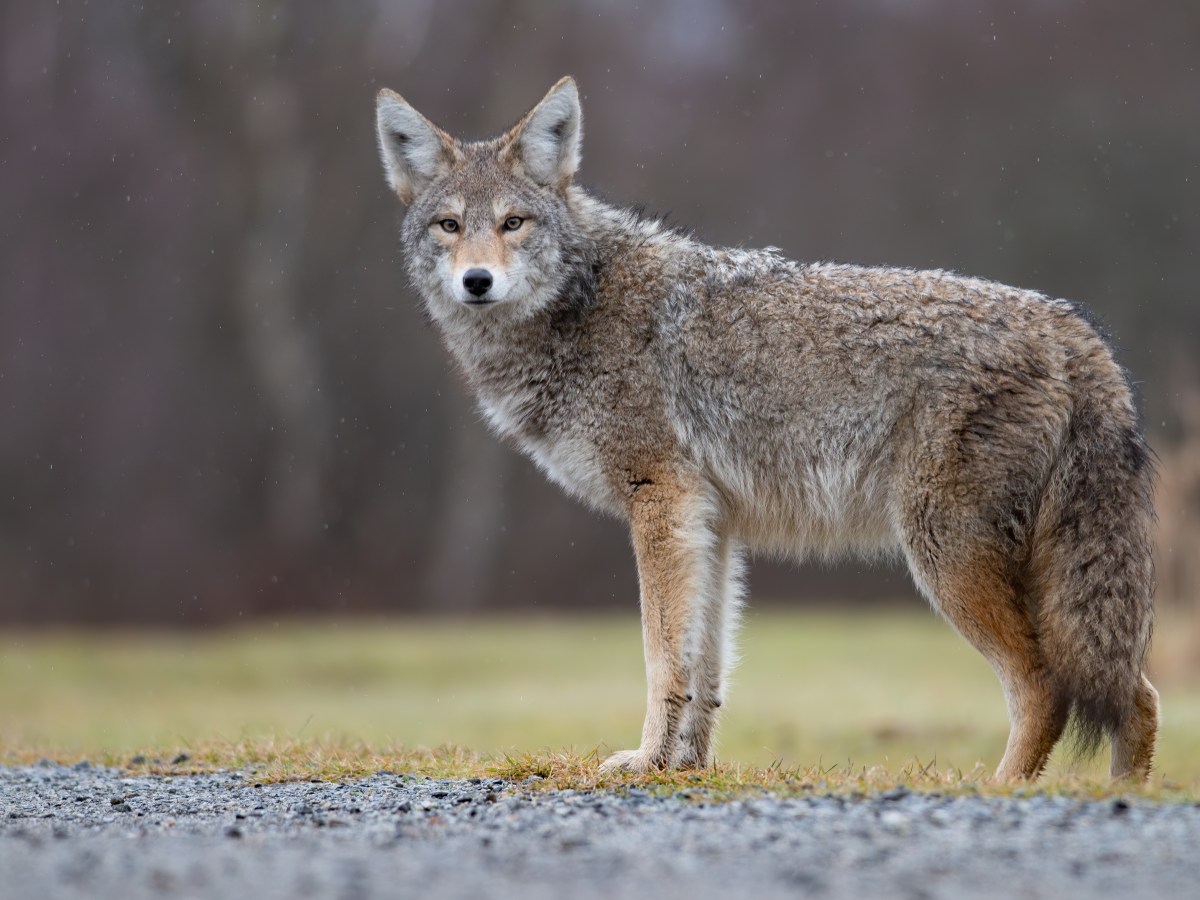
(219, 400)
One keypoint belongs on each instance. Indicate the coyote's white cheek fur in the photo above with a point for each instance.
(722, 401)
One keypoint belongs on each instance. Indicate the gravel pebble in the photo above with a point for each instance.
(88, 831)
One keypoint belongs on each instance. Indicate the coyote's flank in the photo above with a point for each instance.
(728, 401)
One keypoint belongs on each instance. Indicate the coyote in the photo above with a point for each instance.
(724, 401)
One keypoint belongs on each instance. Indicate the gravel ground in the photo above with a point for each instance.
(85, 831)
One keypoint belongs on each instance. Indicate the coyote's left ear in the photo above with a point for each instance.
(547, 141)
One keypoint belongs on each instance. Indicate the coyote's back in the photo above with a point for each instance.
(726, 400)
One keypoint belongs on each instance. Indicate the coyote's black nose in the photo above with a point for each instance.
(477, 281)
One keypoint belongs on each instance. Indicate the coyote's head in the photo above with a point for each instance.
(487, 224)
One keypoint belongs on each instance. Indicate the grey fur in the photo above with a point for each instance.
(721, 399)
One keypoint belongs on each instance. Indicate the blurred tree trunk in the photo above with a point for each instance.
(469, 524)
(281, 353)
(1176, 563)
(233, 68)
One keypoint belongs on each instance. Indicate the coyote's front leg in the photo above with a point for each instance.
(674, 541)
(719, 613)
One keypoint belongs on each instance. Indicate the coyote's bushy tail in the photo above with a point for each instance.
(1091, 567)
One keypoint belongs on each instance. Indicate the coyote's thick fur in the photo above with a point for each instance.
(723, 401)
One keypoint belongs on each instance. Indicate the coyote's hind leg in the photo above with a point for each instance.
(983, 607)
(1133, 744)
(965, 570)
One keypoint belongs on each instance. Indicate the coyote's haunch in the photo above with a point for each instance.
(723, 401)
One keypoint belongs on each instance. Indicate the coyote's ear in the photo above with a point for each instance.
(548, 139)
(413, 149)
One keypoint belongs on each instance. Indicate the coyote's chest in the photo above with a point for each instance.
(567, 455)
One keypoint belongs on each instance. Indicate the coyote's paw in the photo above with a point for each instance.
(690, 758)
(629, 761)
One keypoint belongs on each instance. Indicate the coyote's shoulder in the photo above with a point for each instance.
(722, 400)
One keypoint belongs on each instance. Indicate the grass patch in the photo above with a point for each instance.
(821, 702)
(268, 761)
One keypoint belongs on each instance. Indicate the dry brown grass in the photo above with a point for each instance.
(859, 695)
(270, 761)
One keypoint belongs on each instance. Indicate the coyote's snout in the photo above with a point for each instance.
(723, 401)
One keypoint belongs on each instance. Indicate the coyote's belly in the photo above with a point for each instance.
(797, 490)
(807, 505)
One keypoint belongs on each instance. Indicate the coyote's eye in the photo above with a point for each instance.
(512, 223)
(449, 225)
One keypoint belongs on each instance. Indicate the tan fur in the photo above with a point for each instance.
(487, 251)
(722, 401)
(1133, 745)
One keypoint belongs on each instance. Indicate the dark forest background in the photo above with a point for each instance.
(218, 398)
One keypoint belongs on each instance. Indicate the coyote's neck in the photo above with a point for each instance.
(514, 365)
(526, 371)
(509, 371)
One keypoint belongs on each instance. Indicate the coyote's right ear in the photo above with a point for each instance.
(413, 149)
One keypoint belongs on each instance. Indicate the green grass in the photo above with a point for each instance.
(864, 695)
